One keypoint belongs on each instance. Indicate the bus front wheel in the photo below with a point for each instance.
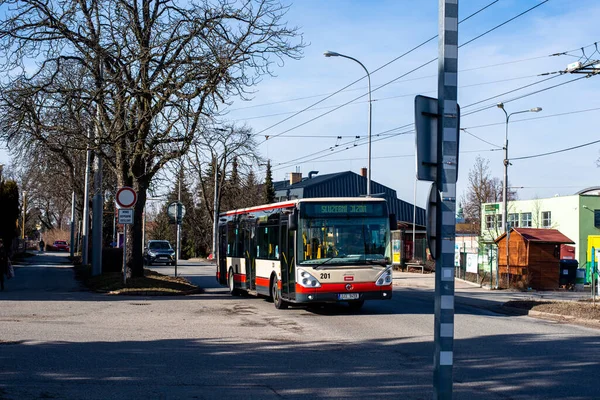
(276, 295)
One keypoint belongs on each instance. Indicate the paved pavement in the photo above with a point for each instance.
(466, 289)
(59, 341)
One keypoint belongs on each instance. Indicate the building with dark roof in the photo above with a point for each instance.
(347, 184)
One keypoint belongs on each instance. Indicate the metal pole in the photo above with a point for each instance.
(215, 211)
(178, 220)
(72, 242)
(369, 145)
(86, 208)
(447, 170)
(505, 200)
(124, 254)
(114, 235)
(24, 214)
(98, 206)
(414, 220)
(334, 54)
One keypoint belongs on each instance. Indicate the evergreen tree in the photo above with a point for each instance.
(269, 189)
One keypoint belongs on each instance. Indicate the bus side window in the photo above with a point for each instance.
(277, 251)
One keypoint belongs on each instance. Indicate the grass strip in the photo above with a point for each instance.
(151, 284)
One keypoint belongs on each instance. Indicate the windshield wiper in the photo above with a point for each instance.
(326, 261)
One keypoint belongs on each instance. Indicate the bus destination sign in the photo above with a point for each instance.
(343, 209)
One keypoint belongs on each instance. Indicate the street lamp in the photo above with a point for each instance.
(505, 183)
(334, 54)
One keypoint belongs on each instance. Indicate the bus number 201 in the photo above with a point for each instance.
(325, 275)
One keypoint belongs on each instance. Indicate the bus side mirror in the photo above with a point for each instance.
(393, 222)
(293, 220)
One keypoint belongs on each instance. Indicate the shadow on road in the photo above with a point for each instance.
(234, 368)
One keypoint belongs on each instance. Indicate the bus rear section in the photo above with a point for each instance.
(309, 251)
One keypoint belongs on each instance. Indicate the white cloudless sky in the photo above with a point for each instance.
(376, 32)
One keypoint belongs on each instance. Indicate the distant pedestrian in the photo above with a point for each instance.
(3, 264)
(42, 244)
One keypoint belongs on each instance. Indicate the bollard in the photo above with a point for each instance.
(579, 280)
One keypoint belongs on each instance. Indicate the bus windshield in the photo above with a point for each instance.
(343, 241)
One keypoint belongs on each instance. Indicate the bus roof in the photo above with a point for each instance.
(293, 203)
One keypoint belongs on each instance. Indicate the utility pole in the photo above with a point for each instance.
(216, 209)
(98, 203)
(72, 242)
(24, 214)
(178, 239)
(447, 171)
(86, 208)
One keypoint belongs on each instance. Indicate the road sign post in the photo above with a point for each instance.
(447, 173)
(126, 198)
(176, 212)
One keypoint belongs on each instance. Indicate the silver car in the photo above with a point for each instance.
(159, 251)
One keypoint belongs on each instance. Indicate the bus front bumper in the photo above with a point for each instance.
(320, 297)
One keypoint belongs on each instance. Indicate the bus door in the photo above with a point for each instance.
(250, 256)
(222, 254)
(288, 272)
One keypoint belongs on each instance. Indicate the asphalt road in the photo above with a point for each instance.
(57, 341)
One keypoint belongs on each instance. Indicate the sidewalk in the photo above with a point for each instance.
(466, 289)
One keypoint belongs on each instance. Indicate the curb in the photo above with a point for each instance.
(552, 317)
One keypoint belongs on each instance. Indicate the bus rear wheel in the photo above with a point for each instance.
(276, 295)
(231, 283)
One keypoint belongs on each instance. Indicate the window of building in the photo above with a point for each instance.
(490, 221)
(493, 221)
(513, 220)
(526, 220)
(546, 219)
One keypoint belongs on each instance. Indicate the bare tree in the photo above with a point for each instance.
(482, 188)
(155, 71)
(213, 156)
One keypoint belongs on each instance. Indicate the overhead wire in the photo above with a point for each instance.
(388, 98)
(555, 152)
(412, 130)
(397, 78)
(374, 71)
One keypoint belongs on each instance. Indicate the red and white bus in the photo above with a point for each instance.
(321, 250)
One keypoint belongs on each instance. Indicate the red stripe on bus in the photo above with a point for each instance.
(341, 288)
(239, 277)
(265, 282)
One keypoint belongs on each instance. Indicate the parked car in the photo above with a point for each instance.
(159, 251)
(60, 245)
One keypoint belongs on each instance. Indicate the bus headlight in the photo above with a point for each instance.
(307, 280)
(385, 278)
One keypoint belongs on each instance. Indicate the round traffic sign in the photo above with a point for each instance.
(126, 197)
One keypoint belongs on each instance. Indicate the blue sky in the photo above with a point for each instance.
(375, 32)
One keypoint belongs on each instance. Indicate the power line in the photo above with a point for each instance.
(389, 82)
(483, 108)
(390, 98)
(410, 124)
(383, 66)
(533, 118)
(483, 140)
(555, 152)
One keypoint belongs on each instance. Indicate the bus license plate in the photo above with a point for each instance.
(348, 296)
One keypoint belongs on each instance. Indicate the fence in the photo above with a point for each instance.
(480, 267)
